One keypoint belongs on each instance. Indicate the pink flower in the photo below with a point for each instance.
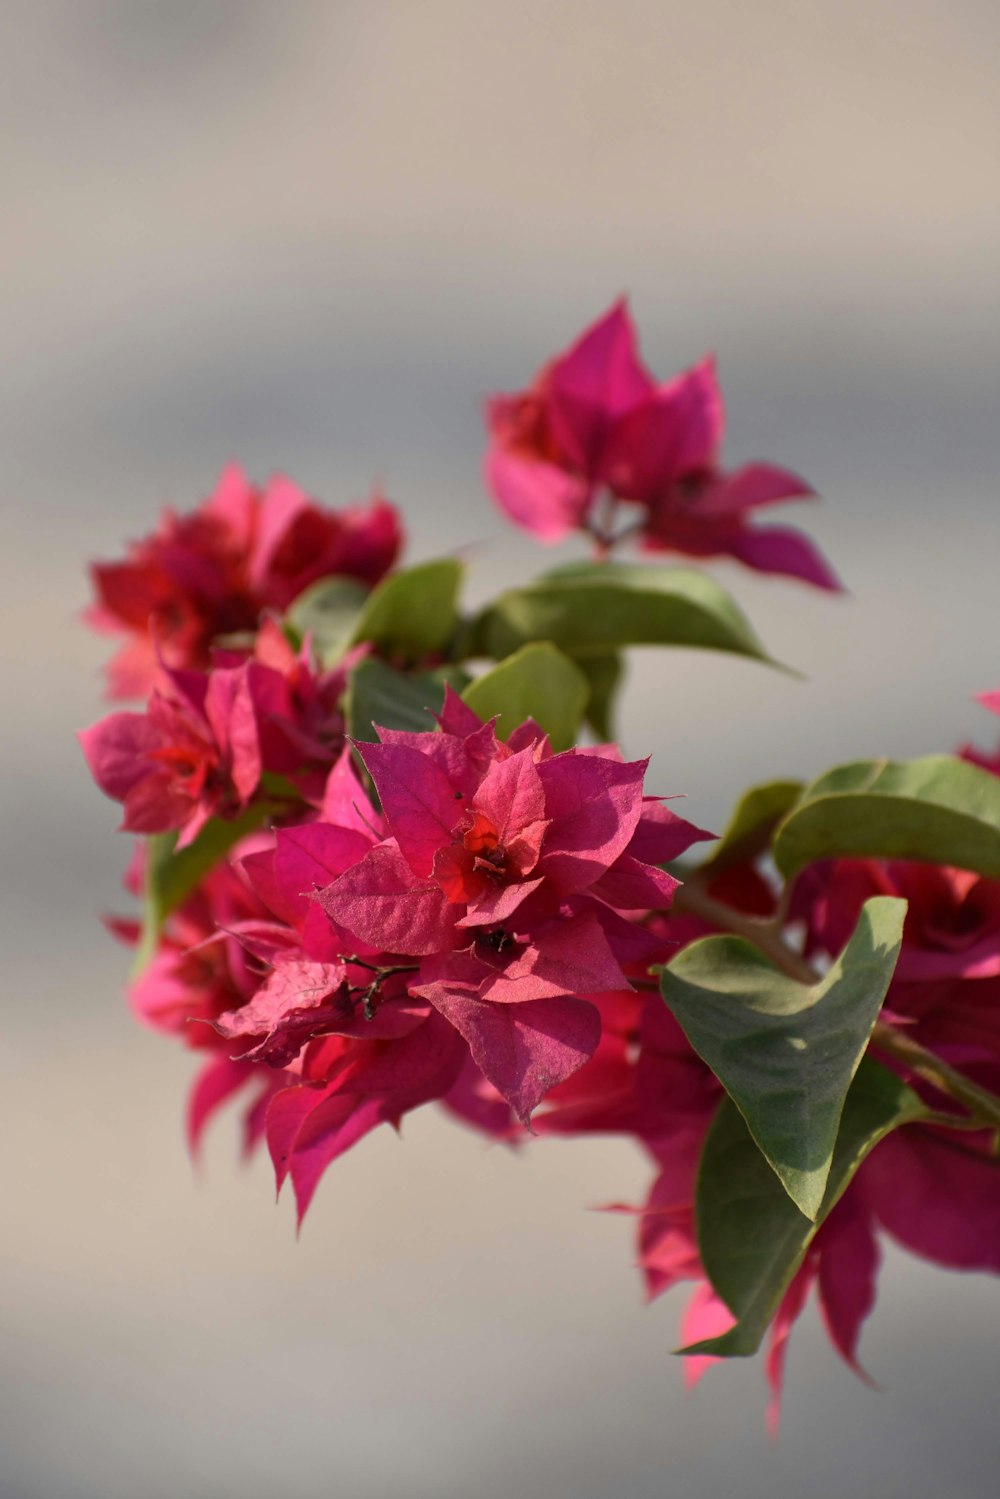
(594, 421)
(504, 873)
(442, 949)
(193, 755)
(212, 572)
(326, 1039)
(202, 745)
(332, 1018)
(552, 446)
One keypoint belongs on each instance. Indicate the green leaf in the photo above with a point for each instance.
(937, 809)
(536, 682)
(786, 1052)
(756, 815)
(377, 694)
(171, 875)
(751, 1236)
(593, 607)
(412, 614)
(328, 611)
(604, 675)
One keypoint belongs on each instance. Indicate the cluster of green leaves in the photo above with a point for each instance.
(557, 642)
(804, 1104)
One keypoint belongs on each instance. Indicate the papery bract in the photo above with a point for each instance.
(492, 876)
(594, 422)
(204, 742)
(212, 572)
(358, 1049)
(250, 970)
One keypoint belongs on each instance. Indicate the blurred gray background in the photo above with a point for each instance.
(314, 237)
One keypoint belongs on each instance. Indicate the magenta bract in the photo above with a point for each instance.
(202, 745)
(214, 571)
(595, 421)
(502, 874)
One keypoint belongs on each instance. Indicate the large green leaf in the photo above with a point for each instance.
(377, 694)
(412, 614)
(172, 874)
(786, 1052)
(756, 815)
(938, 809)
(328, 612)
(536, 682)
(593, 607)
(751, 1236)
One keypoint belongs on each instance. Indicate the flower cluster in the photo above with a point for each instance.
(595, 424)
(207, 740)
(212, 573)
(373, 879)
(462, 933)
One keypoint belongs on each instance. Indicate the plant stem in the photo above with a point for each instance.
(767, 937)
(763, 932)
(894, 1042)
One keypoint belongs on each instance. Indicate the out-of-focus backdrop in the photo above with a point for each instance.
(314, 236)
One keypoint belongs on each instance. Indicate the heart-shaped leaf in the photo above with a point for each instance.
(751, 1236)
(786, 1052)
